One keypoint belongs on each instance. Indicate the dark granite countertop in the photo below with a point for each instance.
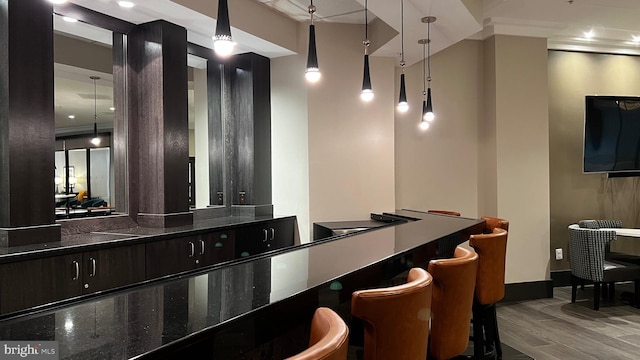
(144, 321)
(132, 235)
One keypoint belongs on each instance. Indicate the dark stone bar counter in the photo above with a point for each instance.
(256, 308)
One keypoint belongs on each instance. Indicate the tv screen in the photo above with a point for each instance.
(611, 134)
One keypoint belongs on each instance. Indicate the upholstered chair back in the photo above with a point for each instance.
(329, 338)
(492, 252)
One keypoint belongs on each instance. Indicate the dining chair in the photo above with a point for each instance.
(587, 259)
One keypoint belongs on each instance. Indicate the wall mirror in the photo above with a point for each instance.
(84, 108)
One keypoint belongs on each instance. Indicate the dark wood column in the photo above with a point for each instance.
(159, 129)
(27, 123)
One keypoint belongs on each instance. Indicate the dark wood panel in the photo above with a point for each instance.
(160, 90)
(216, 134)
(120, 130)
(27, 98)
(25, 284)
(114, 267)
(171, 256)
(262, 129)
(219, 247)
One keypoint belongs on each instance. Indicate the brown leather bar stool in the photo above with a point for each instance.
(492, 251)
(453, 285)
(444, 212)
(491, 223)
(329, 338)
(396, 319)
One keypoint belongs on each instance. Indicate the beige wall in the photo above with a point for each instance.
(438, 168)
(522, 153)
(332, 154)
(351, 144)
(574, 195)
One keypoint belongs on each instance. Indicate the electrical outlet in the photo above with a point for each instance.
(559, 254)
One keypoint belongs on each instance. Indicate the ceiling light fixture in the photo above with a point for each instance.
(222, 41)
(367, 91)
(69, 19)
(403, 106)
(427, 107)
(588, 34)
(57, 1)
(126, 4)
(71, 116)
(95, 140)
(312, 73)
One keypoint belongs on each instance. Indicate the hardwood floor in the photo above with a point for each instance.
(556, 329)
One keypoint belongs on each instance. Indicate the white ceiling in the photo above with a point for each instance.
(613, 23)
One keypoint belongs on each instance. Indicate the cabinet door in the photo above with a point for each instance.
(111, 268)
(171, 256)
(252, 240)
(30, 283)
(216, 248)
(281, 234)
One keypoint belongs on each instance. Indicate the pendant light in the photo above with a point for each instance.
(367, 91)
(312, 73)
(222, 42)
(403, 106)
(427, 107)
(95, 140)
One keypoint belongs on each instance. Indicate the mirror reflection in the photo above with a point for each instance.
(83, 96)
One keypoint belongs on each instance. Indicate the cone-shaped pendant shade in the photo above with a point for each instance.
(222, 42)
(95, 140)
(222, 22)
(427, 111)
(367, 91)
(403, 106)
(313, 71)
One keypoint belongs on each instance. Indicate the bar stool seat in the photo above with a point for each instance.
(492, 250)
(453, 285)
(396, 319)
(329, 339)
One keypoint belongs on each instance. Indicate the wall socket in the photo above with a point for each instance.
(559, 254)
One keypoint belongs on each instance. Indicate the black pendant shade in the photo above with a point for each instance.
(223, 29)
(429, 106)
(403, 91)
(366, 78)
(312, 58)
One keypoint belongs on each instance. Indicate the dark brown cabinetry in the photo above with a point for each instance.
(30, 283)
(263, 237)
(173, 256)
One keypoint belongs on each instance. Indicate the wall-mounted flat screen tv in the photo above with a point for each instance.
(612, 134)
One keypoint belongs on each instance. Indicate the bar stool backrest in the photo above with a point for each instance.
(492, 252)
(329, 339)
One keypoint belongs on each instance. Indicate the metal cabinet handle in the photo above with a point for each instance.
(266, 235)
(273, 233)
(193, 248)
(201, 247)
(93, 267)
(76, 267)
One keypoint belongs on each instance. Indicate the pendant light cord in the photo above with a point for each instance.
(95, 102)
(312, 10)
(429, 53)
(402, 34)
(424, 83)
(366, 21)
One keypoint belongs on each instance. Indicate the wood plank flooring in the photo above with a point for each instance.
(555, 329)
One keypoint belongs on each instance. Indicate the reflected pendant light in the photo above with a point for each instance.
(95, 140)
(367, 91)
(312, 73)
(403, 106)
(427, 106)
(222, 42)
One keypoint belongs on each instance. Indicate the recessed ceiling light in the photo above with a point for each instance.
(69, 19)
(589, 34)
(58, 1)
(125, 4)
(72, 116)
(112, 108)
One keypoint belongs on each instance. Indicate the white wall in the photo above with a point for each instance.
(289, 141)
